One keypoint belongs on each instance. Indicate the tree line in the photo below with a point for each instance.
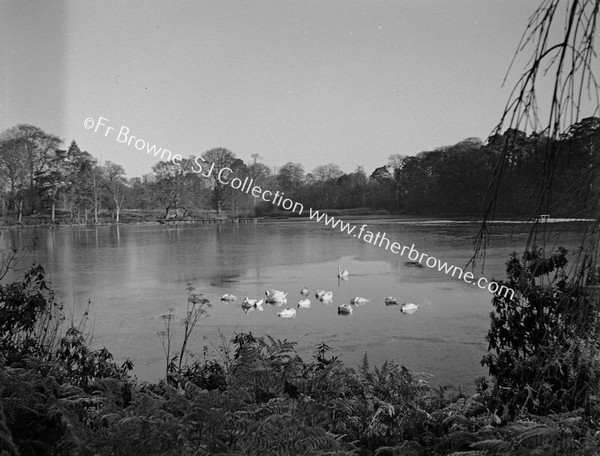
(38, 177)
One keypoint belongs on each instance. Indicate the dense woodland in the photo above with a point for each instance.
(42, 179)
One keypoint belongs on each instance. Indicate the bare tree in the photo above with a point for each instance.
(290, 176)
(14, 172)
(115, 184)
(26, 152)
(216, 160)
(327, 172)
(570, 62)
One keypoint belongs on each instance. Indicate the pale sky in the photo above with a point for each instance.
(314, 82)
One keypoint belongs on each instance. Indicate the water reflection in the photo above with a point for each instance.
(134, 274)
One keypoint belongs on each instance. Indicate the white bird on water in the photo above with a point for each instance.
(358, 301)
(304, 291)
(274, 293)
(228, 297)
(345, 309)
(304, 303)
(326, 296)
(276, 298)
(408, 308)
(342, 273)
(319, 293)
(391, 301)
(287, 313)
(248, 304)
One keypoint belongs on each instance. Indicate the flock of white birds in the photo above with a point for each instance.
(279, 298)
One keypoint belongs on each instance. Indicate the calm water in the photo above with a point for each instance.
(134, 274)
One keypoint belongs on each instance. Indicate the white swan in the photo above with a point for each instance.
(326, 296)
(228, 297)
(319, 293)
(251, 304)
(408, 308)
(272, 293)
(247, 302)
(287, 313)
(304, 303)
(277, 299)
(342, 273)
(358, 301)
(344, 309)
(390, 301)
(304, 291)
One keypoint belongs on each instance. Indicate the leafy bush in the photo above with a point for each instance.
(29, 317)
(76, 363)
(542, 340)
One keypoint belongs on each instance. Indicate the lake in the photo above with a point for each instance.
(133, 274)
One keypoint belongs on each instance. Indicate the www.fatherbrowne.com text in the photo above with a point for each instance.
(247, 185)
(381, 240)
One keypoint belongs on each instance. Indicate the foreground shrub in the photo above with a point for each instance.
(544, 340)
(260, 398)
(29, 317)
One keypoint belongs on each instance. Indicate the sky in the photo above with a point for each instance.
(313, 82)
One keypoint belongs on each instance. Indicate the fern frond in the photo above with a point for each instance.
(537, 435)
(492, 446)
(469, 453)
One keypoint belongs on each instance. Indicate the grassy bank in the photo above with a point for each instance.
(142, 216)
(127, 216)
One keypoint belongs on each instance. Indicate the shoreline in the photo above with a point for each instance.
(150, 219)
